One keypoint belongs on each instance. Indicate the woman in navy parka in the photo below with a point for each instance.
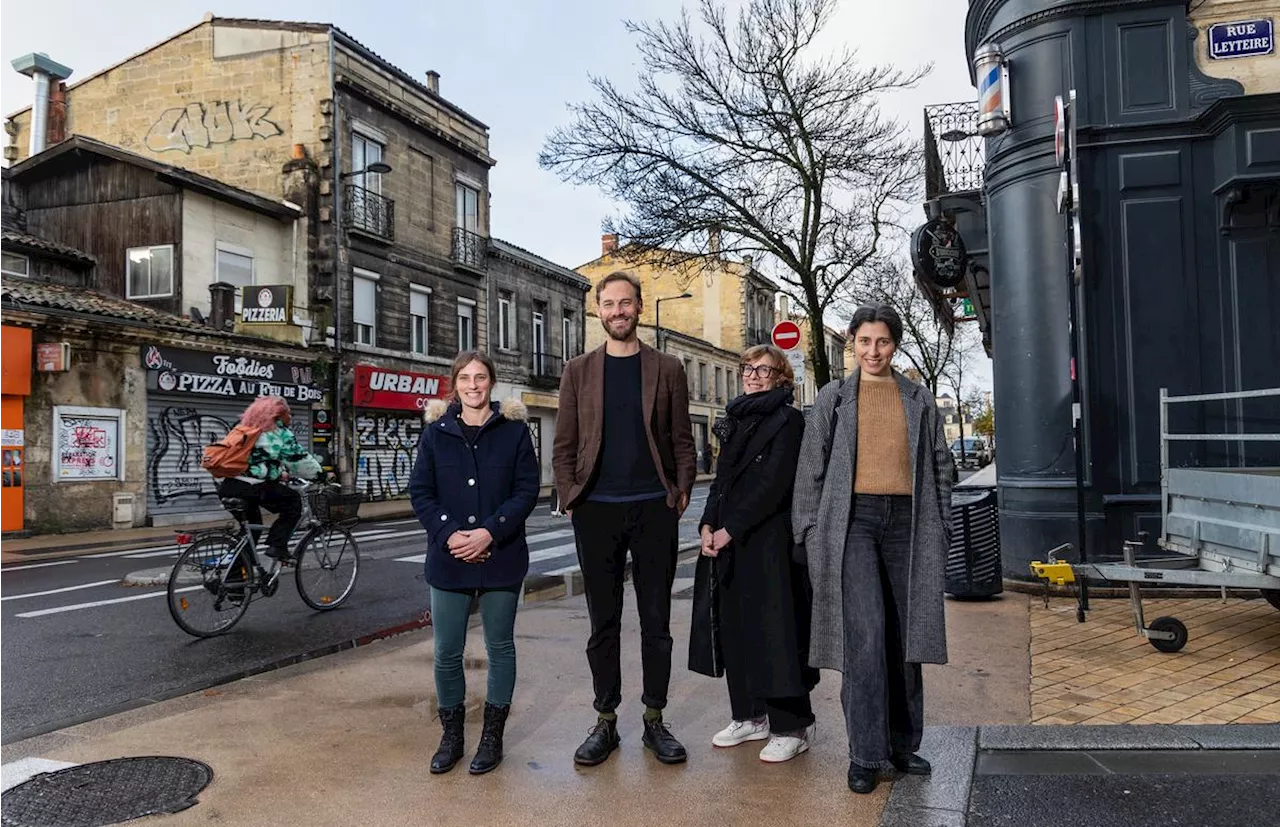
(474, 483)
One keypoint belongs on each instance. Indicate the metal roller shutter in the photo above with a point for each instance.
(178, 428)
(386, 443)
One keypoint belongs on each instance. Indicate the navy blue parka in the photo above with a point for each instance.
(457, 487)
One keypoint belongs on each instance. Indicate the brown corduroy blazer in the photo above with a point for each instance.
(580, 424)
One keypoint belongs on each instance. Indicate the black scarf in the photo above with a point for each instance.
(742, 416)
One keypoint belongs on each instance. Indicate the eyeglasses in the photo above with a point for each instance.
(760, 371)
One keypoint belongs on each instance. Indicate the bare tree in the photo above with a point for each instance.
(740, 139)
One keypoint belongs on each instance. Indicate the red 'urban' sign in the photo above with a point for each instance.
(786, 335)
(399, 390)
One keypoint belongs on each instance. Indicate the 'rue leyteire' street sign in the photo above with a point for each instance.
(1243, 38)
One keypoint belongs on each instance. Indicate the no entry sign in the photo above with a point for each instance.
(786, 335)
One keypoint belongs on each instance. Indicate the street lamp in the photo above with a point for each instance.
(955, 136)
(657, 317)
(377, 167)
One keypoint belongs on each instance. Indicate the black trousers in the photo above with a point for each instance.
(277, 498)
(786, 715)
(604, 533)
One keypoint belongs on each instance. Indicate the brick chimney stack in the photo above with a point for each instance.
(608, 243)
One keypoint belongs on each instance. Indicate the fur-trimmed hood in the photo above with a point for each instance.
(510, 408)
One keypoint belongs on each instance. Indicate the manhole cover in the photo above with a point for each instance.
(105, 792)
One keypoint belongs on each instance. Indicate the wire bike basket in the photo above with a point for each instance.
(330, 506)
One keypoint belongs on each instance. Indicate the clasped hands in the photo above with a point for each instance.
(471, 546)
(714, 541)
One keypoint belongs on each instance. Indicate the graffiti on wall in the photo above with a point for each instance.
(178, 437)
(386, 444)
(202, 125)
(87, 447)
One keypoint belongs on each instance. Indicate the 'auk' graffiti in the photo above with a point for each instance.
(202, 125)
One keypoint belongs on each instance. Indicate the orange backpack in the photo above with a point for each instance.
(229, 456)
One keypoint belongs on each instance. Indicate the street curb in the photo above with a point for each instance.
(422, 621)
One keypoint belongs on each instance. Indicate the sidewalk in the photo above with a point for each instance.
(346, 739)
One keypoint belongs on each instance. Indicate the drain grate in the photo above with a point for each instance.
(105, 792)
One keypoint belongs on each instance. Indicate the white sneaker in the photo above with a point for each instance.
(739, 732)
(783, 748)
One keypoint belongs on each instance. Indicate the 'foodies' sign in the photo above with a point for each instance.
(396, 389)
(170, 370)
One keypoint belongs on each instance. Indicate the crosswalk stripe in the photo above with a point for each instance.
(559, 572)
(416, 558)
(552, 553)
(60, 591)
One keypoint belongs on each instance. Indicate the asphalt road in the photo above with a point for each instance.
(77, 645)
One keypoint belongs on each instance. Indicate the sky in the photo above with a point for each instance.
(514, 64)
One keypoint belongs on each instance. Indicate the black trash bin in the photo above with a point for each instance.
(973, 562)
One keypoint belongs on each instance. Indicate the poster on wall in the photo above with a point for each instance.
(86, 444)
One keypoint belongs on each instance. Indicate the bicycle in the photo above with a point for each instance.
(219, 572)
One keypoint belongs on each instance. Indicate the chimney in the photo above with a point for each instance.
(43, 71)
(433, 82)
(57, 130)
(608, 243)
(713, 240)
(783, 308)
(222, 305)
(746, 262)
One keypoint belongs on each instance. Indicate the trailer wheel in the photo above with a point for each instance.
(1272, 596)
(1169, 624)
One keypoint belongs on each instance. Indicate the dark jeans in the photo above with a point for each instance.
(882, 694)
(604, 532)
(786, 715)
(450, 611)
(277, 498)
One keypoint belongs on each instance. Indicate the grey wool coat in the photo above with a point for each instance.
(822, 508)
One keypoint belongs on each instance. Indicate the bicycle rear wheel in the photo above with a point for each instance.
(327, 567)
(210, 586)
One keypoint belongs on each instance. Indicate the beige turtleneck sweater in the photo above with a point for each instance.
(884, 466)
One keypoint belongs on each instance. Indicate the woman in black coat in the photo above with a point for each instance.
(759, 589)
(474, 484)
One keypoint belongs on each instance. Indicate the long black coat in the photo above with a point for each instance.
(763, 593)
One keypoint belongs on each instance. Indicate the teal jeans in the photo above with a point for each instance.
(449, 619)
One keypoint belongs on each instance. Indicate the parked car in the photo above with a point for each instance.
(976, 454)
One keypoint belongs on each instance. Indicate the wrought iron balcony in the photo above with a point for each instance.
(954, 155)
(470, 249)
(545, 369)
(369, 212)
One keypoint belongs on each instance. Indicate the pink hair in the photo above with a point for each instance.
(264, 412)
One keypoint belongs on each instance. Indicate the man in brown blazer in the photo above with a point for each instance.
(624, 465)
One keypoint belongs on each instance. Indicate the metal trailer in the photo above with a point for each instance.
(1221, 526)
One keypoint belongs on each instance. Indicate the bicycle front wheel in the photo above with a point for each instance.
(210, 586)
(327, 567)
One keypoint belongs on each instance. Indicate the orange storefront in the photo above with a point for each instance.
(15, 350)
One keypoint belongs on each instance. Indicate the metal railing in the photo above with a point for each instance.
(954, 154)
(469, 249)
(545, 369)
(370, 212)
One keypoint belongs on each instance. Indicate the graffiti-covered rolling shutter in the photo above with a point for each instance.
(386, 443)
(178, 428)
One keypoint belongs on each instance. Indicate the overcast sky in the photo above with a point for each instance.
(514, 64)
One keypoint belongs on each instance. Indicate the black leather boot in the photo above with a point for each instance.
(664, 745)
(602, 741)
(453, 719)
(489, 753)
(911, 764)
(861, 779)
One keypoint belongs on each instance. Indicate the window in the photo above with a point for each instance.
(566, 333)
(150, 272)
(505, 300)
(466, 324)
(364, 307)
(719, 383)
(468, 200)
(539, 337)
(16, 265)
(234, 265)
(419, 319)
(702, 381)
(365, 150)
(688, 373)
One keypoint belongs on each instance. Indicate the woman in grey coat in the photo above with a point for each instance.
(872, 507)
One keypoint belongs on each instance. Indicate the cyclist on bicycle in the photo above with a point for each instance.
(276, 457)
